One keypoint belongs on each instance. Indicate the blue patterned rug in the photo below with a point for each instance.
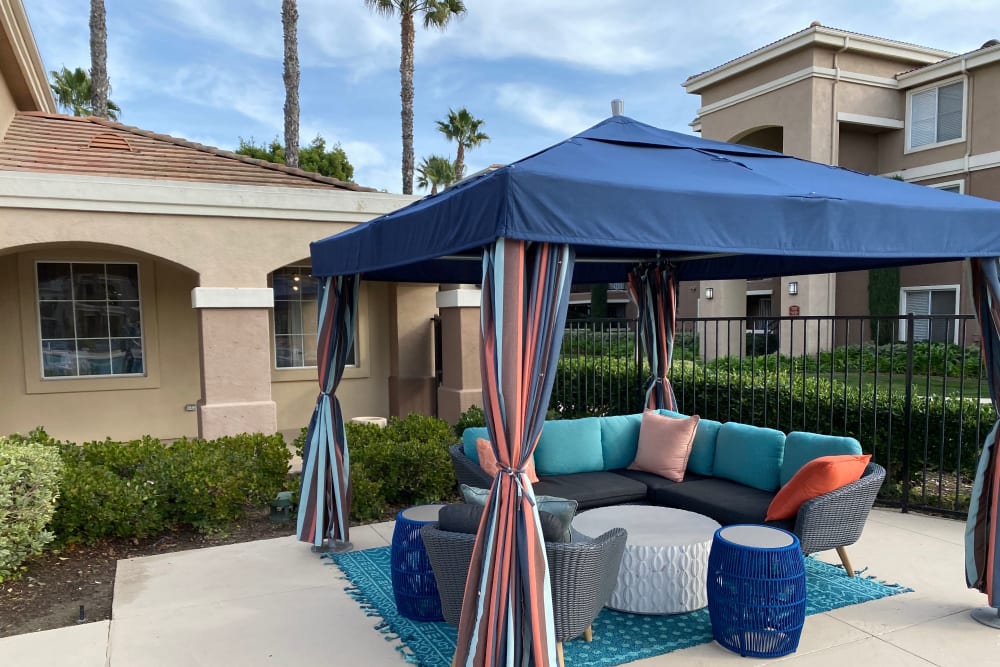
(618, 637)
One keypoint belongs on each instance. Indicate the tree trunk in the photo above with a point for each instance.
(289, 21)
(459, 161)
(406, 95)
(98, 59)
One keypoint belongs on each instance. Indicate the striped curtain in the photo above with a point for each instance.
(982, 569)
(654, 289)
(507, 610)
(325, 500)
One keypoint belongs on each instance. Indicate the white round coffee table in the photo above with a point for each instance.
(665, 565)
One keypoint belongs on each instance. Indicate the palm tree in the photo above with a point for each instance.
(289, 21)
(464, 129)
(99, 59)
(73, 92)
(437, 14)
(434, 171)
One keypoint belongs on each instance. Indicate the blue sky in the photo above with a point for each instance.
(535, 71)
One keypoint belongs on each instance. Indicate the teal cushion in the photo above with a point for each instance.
(619, 438)
(749, 455)
(469, 437)
(702, 458)
(568, 446)
(801, 448)
(563, 509)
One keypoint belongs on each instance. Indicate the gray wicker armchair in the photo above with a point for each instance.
(582, 576)
(835, 520)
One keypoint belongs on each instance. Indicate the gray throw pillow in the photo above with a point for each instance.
(562, 508)
(464, 518)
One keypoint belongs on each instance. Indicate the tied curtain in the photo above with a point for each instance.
(507, 609)
(654, 289)
(982, 570)
(325, 499)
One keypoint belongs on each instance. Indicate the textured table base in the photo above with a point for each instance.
(662, 580)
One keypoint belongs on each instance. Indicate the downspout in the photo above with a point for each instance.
(834, 134)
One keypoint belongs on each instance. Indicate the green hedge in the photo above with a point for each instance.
(946, 434)
(145, 487)
(405, 463)
(29, 484)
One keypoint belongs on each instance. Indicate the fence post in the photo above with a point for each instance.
(908, 414)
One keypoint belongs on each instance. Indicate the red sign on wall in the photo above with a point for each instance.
(793, 311)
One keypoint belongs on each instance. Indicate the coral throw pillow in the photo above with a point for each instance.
(819, 476)
(664, 445)
(488, 462)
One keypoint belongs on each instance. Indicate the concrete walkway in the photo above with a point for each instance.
(275, 603)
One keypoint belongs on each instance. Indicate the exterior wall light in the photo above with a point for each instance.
(793, 287)
(709, 292)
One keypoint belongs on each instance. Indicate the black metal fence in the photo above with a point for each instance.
(912, 389)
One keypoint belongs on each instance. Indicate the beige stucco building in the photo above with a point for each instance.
(149, 285)
(871, 104)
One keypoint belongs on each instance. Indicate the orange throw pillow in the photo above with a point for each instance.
(664, 445)
(489, 464)
(819, 476)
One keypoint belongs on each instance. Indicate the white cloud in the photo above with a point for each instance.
(243, 91)
(547, 108)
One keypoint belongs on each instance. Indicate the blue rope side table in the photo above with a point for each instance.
(413, 583)
(756, 590)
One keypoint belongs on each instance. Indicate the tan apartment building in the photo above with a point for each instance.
(149, 285)
(870, 104)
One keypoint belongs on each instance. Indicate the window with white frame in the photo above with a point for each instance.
(936, 115)
(89, 319)
(296, 314)
(936, 300)
(958, 187)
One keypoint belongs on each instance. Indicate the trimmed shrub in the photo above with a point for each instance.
(29, 485)
(471, 418)
(405, 463)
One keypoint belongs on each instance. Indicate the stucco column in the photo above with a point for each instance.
(412, 385)
(815, 295)
(461, 381)
(729, 299)
(235, 334)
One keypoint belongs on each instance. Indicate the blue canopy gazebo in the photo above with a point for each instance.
(624, 199)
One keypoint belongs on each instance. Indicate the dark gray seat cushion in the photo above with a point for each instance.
(654, 482)
(591, 489)
(726, 502)
(465, 518)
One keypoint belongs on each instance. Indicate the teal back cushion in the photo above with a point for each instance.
(568, 446)
(469, 437)
(749, 455)
(619, 439)
(801, 448)
(702, 458)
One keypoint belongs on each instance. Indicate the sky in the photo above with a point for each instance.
(536, 71)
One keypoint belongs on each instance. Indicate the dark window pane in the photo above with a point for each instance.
(58, 358)
(126, 356)
(284, 352)
(94, 357)
(310, 316)
(309, 287)
(352, 355)
(56, 319)
(282, 284)
(123, 319)
(123, 282)
(91, 319)
(282, 317)
(89, 283)
(54, 281)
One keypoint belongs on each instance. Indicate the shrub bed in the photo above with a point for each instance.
(29, 485)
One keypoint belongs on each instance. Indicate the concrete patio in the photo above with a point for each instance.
(275, 603)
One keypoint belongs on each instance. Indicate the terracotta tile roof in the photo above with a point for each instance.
(56, 143)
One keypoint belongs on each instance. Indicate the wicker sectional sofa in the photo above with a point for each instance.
(733, 474)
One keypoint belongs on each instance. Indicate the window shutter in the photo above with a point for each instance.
(923, 118)
(919, 303)
(949, 108)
